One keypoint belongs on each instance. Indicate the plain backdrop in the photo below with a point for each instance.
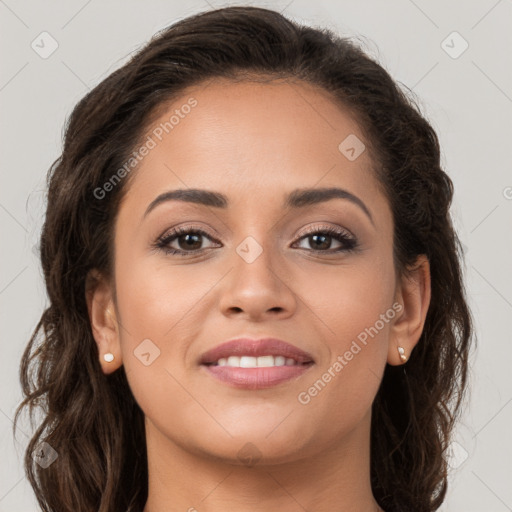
(454, 55)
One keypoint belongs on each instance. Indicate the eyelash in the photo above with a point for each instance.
(341, 235)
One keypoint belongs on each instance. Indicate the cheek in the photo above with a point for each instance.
(158, 307)
(161, 309)
(155, 297)
(354, 309)
(347, 300)
(358, 310)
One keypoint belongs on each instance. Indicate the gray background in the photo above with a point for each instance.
(467, 97)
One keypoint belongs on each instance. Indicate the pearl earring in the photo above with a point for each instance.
(109, 357)
(401, 351)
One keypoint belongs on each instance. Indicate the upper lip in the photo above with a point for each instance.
(255, 348)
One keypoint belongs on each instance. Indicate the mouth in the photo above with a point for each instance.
(266, 361)
(256, 364)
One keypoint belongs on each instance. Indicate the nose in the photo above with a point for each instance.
(258, 286)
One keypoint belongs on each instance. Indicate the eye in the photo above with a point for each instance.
(321, 240)
(188, 241)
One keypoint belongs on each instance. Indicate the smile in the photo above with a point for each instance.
(256, 362)
(254, 373)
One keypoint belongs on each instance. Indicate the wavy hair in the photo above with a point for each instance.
(91, 419)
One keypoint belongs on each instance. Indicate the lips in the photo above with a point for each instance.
(255, 364)
(255, 348)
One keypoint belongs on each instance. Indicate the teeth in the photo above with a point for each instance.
(256, 362)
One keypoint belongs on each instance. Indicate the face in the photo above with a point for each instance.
(318, 275)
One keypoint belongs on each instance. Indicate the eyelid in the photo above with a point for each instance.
(305, 231)
(185, 228)
(349, 242)
(344, 236)
(314, 229)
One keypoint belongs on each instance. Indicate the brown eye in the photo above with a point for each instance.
(320, 240)
(187, 241)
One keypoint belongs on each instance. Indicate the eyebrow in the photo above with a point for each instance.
(298, 198)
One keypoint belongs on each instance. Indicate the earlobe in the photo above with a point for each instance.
(401, 351)
(103, 321)
(413, 294)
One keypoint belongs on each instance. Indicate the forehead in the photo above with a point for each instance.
(251, 138)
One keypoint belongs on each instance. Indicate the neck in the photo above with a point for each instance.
(335, 479)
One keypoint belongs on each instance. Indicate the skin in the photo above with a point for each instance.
(255, 142)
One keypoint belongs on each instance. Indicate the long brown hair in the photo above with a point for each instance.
(92, 420)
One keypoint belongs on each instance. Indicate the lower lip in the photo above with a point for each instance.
(256, 378)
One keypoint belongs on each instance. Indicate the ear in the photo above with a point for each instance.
(102, 315)
(413, 295)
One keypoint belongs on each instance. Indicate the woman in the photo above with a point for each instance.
(256, 299)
